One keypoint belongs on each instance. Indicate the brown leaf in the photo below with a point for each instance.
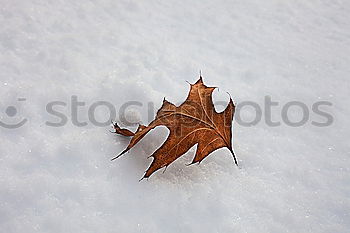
(195, 121)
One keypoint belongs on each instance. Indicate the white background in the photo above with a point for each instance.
(292, 179)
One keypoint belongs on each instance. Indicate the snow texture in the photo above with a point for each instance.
(61, 179)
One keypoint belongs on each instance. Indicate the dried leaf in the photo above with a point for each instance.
(194, 122)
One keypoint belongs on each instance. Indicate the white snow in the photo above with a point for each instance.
(61, 179)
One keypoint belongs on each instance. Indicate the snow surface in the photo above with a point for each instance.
(61, 179)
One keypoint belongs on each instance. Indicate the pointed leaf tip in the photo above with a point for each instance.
(123, 152)
(200, 80)
(234, 156)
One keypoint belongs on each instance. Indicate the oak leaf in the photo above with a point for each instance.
(195, 121)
